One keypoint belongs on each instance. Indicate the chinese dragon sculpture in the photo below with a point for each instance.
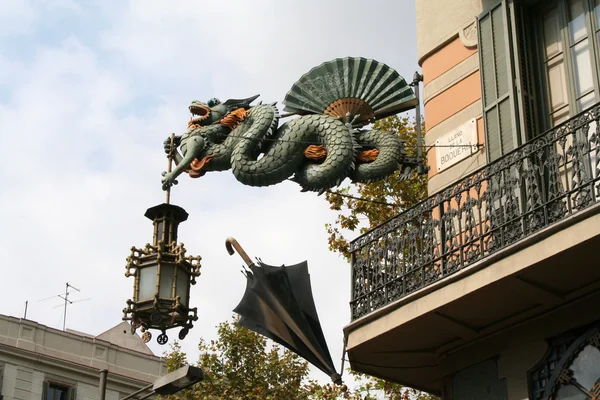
(318, 149)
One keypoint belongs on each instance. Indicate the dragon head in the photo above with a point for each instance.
(204, 114)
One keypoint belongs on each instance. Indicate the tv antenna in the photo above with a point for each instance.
(65, 298)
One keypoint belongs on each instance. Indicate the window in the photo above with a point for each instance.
(541, 374)
(577, 374)
(539, 66)
(58, 391)
(569, 31)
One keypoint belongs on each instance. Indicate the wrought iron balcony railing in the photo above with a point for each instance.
(542, 182)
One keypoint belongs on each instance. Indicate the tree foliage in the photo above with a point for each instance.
(399, 193)
(241, 364)
(371, 388)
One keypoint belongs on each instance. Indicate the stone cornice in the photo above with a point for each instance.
(68, 336)
(43, 360)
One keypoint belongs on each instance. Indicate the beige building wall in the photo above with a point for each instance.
(504, 308)
(447, 51)
(31, 354)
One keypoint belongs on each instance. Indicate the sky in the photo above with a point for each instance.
(88, 92)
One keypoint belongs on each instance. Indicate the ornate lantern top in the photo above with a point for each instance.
(166, 210)
(166, 218)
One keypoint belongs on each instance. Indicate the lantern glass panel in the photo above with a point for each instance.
(166, 281)
(183, 285)
(147, 284)
(159, 231)
(173, 237)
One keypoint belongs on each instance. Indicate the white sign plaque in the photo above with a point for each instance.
(456, 145)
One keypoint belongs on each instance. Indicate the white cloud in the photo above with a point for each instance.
(81, 153)
(254, 47)
(21, 17)
(16, 17)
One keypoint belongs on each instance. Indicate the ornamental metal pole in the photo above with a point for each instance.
(416, 79)
(171, 151)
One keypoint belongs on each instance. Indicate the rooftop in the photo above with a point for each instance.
(115, 349)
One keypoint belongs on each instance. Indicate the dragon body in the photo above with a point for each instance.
(326, 143)
(282, 154)
(249, 141)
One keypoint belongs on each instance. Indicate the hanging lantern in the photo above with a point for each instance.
(163, 275)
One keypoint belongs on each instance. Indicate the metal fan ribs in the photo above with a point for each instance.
(353, 106)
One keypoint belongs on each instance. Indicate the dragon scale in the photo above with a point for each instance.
(284, 156)
(390, 156)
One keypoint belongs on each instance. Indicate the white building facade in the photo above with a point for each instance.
(42, 363)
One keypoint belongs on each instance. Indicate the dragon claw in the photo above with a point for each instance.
(168, 181)
(167, 144)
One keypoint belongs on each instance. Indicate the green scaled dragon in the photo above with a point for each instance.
(321, 146)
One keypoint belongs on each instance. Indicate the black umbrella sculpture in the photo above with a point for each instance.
(278, 304)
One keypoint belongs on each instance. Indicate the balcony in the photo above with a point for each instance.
(503, 245)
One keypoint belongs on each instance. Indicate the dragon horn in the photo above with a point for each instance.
(235, 103)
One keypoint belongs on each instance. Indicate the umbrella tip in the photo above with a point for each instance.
(337, 379)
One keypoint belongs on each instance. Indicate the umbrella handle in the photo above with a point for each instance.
(231, 244)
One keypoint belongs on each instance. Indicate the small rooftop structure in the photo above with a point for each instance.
(120, 335)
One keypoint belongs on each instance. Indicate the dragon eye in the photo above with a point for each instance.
(213, 102)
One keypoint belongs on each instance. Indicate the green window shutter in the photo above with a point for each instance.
(45, 387)
(497, 82)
